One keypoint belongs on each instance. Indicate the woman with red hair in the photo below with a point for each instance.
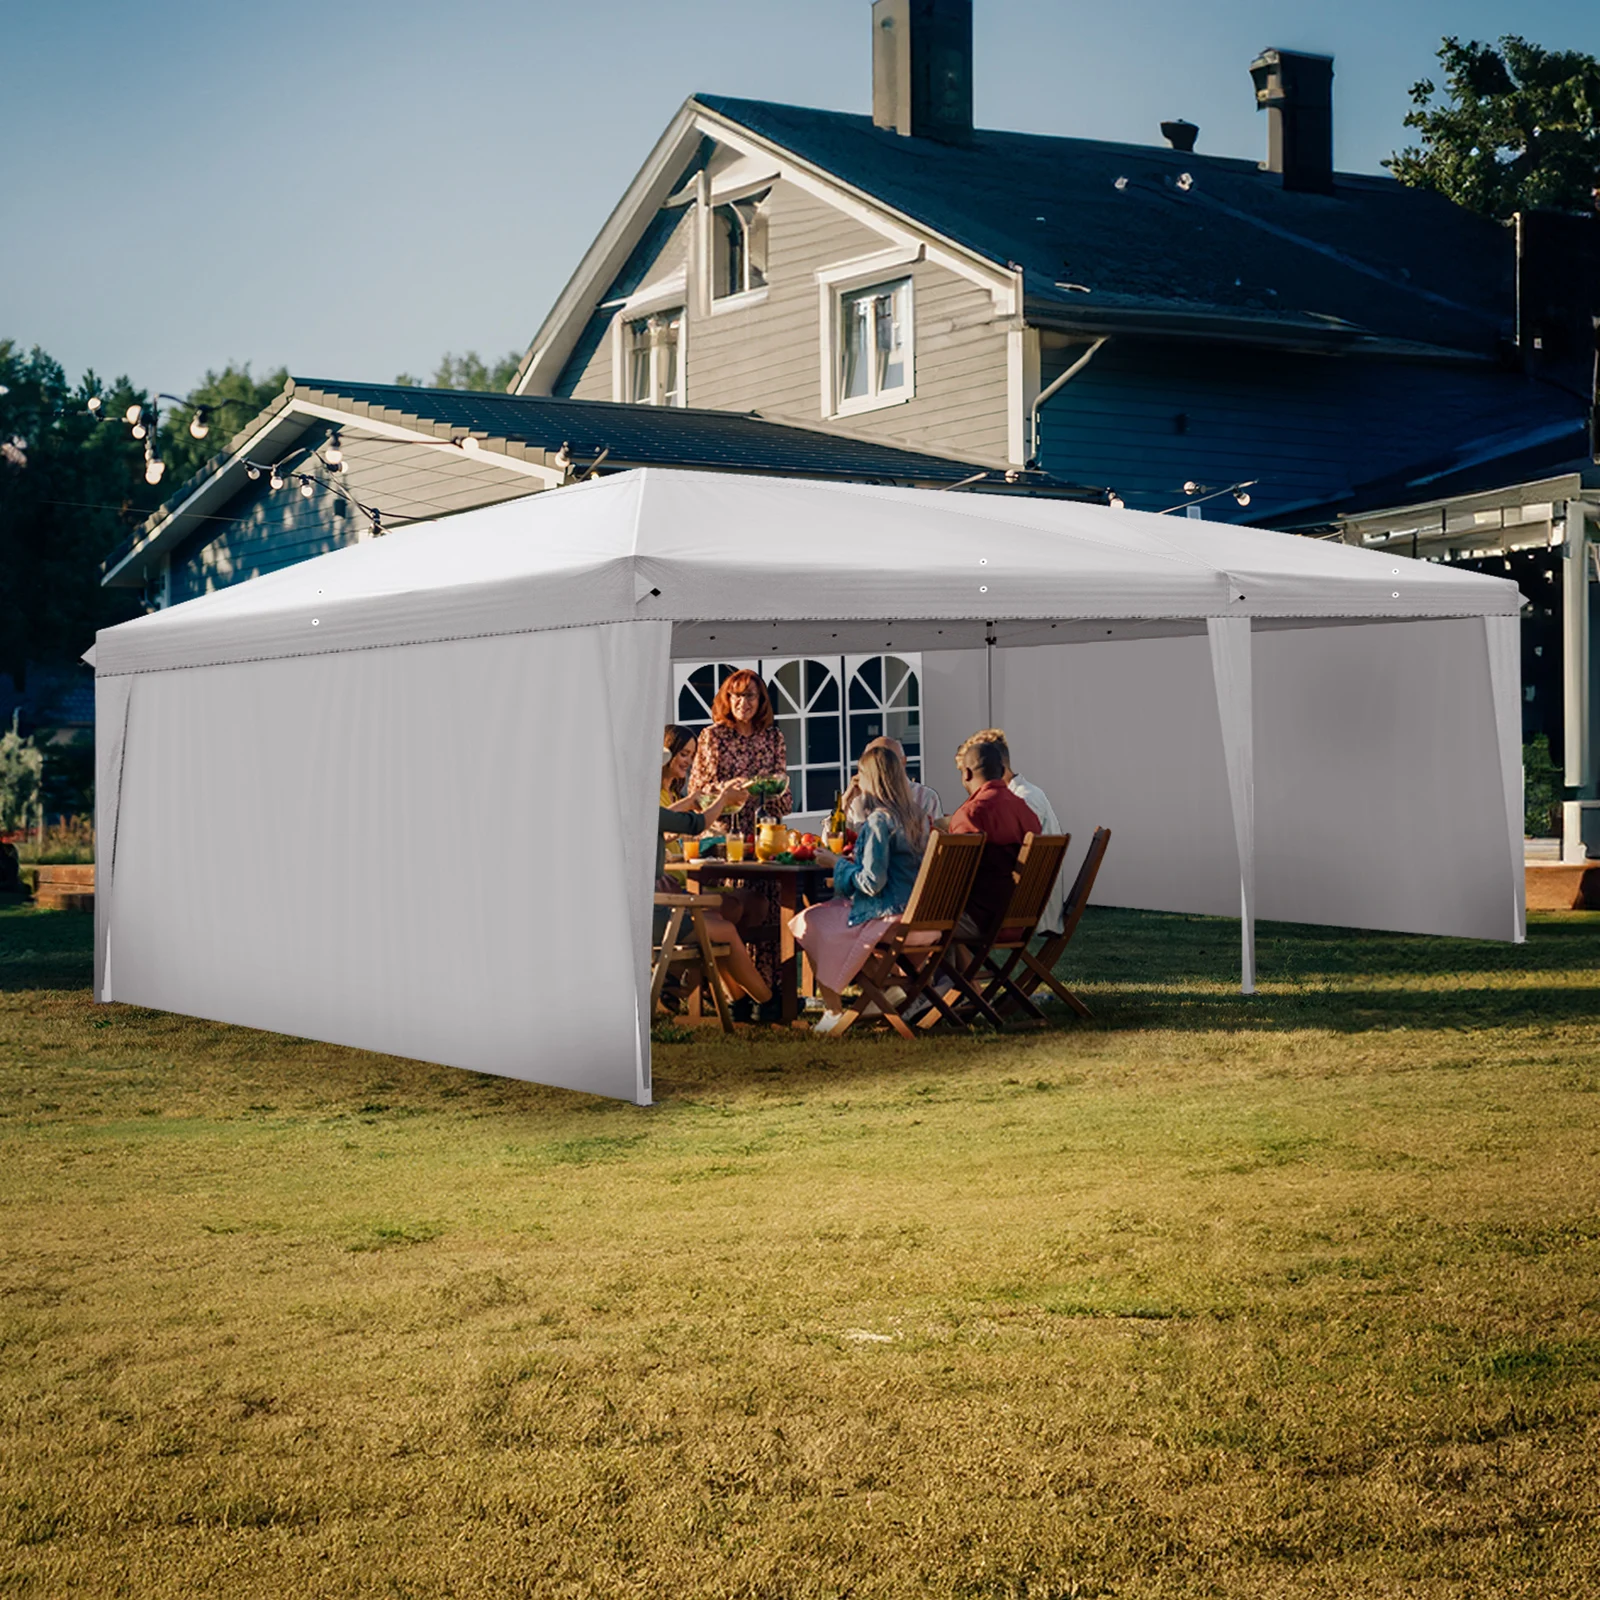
(740, 744)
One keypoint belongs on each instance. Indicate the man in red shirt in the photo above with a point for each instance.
(994, 811)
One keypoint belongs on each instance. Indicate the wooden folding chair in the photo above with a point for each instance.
(991, 961)
(1039, 969)
(696, 954)
(908, 955)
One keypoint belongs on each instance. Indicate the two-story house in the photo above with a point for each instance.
(903, 296)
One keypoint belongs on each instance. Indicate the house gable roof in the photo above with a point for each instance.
(1154, 234)
(524, 435)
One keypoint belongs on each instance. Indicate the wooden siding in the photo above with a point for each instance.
(1145, 417)
(765, 357)
(261, 529)
(961, 376)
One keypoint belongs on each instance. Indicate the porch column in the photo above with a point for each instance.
(1230, 670)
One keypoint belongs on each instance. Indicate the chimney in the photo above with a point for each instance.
(1296, 92)
(922, 68)
(1558, 294)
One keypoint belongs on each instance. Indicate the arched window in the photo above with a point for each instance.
(697, 683)
(829, 709)
(885, 698)
(805, 702)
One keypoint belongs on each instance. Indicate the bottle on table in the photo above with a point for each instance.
(836, 824)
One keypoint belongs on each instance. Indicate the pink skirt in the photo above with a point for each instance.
(837, 951)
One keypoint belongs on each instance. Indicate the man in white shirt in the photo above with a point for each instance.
(855, 803)
(1036, 799)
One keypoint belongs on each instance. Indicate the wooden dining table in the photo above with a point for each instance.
(799, 883)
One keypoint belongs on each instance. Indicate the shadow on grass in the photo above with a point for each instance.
(45, 949)
(1144, 969)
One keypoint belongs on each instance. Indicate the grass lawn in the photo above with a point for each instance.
(1290, 1296)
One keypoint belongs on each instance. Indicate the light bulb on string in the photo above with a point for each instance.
(133, 413)
(139, 430)
(198, 426)
(1116, 502)
(307, 488)
(1241, 496)
(153, 469)
(253, 472)
(1191, 487)
(94, 402)
(334, 455)
(276, 480)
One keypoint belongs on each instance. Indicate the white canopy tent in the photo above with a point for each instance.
(402, 796)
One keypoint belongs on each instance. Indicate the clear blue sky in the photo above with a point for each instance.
(352, 187)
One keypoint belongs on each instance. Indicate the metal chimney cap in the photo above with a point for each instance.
(1180, 135)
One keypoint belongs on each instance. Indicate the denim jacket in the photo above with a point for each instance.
(880, 879)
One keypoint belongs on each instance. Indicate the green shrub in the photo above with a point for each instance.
(1541, 790)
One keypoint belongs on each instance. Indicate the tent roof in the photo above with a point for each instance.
(741, 563)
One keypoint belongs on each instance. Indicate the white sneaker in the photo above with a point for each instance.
(827, 1022)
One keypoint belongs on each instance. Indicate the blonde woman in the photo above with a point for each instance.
(870, 891)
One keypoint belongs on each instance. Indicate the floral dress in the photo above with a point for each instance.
(723, 754)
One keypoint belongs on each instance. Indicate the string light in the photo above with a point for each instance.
(94, 402)
(1116, 502)
(308, 482)
(198, 426)
(1203, 492)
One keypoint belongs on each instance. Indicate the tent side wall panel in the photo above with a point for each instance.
(380, 848)
(1125, 735)
(952, 708)
(1379, 797)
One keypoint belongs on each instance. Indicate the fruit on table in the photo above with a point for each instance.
(810, 840)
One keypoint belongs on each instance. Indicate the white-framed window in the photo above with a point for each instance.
(805, 705)
(738, 261)
(828, 708)
(883, 698)
(651, 353)
(867, 316)
(874, 345)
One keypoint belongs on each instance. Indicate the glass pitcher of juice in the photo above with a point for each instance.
(772, 839)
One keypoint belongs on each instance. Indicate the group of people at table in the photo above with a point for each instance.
(705, 785)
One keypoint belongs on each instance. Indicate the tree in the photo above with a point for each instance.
(1519, 131)
(71, 488)
(469, 372)
(232, 399)
(21, 773)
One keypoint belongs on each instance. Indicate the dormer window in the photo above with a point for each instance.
(654, 356)
(739, 247)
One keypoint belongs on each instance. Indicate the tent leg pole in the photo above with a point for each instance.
(988, 679)
(1247, 942)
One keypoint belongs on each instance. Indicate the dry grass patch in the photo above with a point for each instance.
(1290, 1296)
